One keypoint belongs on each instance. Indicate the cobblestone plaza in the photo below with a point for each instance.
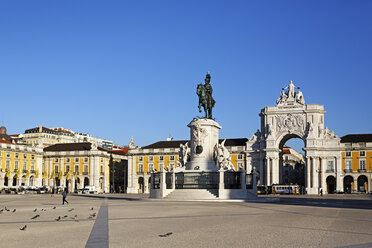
(134, 221)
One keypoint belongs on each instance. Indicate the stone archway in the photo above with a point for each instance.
(331, 184)
(362, 184)
(292, 118)
(348, 184)
(141, 185)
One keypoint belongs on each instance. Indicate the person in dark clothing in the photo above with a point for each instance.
(64, 195)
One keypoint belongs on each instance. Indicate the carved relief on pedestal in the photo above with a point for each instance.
(198, 135)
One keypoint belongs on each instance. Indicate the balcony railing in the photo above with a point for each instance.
(330, 170)
(362, 170)
(348, 170)
(85, 173)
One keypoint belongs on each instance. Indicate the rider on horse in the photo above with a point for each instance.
(205, 96)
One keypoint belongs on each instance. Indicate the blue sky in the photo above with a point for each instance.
(116, 69)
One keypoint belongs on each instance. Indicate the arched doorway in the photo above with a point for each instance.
(331, 184)
(14, 181)
(58, 181)
(292, 160)
(6, 181)
(141, 185)
(348, 184)
(32, 181)
(362, 184)
(86, 182)
(23, 183)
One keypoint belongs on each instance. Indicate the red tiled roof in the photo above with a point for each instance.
(5, 141)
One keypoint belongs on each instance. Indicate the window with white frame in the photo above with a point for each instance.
(56, 160)
(16, 165)
(171, 166)
(24, 155)
(140, 159)
(151, 167)
(8, 155)
(348, 154)
(76, 168)
(86, 168)
(348, 165)
(101, 168)
(362, 154)
(161, 158)
(67, 168)
(33, 157)
(151, 158)
(16, 155)
(56, 168)
(172, 158)
(330, 166)
(140, 168)
(67, 160)
(85, 160)
(240, 165)
(32, 166)
(76, 160)
(240, 156)
(362, 164)
(7, 164)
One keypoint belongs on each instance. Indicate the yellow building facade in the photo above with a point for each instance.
(78, 165)
(20, 165)
(356, 162)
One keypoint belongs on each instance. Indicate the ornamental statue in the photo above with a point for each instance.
(204, 91)
(290, 96)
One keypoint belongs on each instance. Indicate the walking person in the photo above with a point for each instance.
(64, 195)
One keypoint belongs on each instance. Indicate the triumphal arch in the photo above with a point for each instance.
(292, 118)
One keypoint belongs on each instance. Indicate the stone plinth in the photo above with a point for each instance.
(203, 139)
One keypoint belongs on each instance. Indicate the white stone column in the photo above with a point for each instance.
(315, 175)
(96, 175)
(307, 174)
(339, 183)
(146, 184)
(275, 170)
(268, 171)
(261, 171)
(131, 175)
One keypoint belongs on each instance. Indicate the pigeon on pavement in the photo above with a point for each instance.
(23, 228)
(36, 216)
(59, 218)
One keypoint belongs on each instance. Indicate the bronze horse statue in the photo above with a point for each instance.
(205, 100)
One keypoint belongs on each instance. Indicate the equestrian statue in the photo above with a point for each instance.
(204, 91)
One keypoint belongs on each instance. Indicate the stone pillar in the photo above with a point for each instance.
(131, 176)
(261, 171)
(91, 171)
(275, 170)
(173, 179)
(221, 185)
(146, 184)
(315, 175)
(72, 183)
(254, 181)
(268, 171)
(163, 184)
(355, 188)
(2, 181)
(339, 183)
(243, 183)
(307, 174)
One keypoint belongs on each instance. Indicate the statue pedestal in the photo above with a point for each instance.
(203, 139)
